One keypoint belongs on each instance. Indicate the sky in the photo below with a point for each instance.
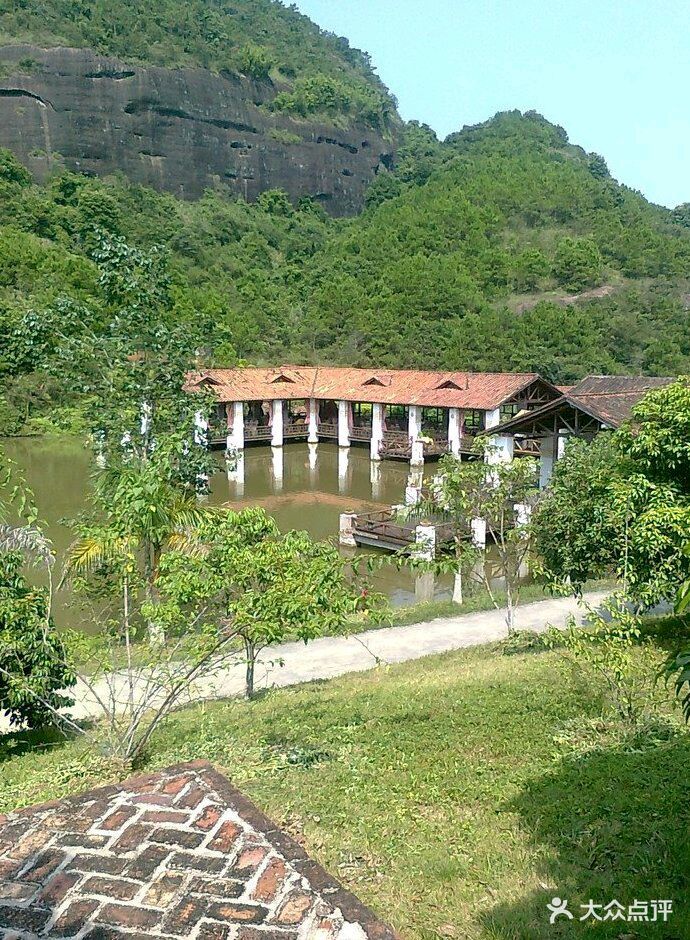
(614, 73)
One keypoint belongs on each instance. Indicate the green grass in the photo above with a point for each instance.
(455, 795)
(478, 601)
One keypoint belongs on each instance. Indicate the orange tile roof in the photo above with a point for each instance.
(469, 390)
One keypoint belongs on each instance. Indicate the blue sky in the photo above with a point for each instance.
(614, 73)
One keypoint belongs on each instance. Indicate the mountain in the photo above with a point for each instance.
(249, 95)
(505, 247)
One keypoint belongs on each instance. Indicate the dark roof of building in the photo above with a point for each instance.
(608, 399)
(176, 854)
(468, 390)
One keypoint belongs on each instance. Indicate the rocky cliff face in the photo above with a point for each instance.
(180, 130)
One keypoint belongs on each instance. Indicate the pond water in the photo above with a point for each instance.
(302, 487)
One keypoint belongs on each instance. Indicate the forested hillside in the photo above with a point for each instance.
(447, 265)
(467, 256)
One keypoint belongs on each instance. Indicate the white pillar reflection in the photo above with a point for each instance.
(343, 467)
(424, 587)
(375, 477)
(313, 464)
(236, 475)
(277, 466)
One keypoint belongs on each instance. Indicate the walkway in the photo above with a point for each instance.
(326, 658)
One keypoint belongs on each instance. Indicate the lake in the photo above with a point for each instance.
(301, 488)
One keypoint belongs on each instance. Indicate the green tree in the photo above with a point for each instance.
(270, 587)
(578, 263)
(623, 504)
(143, 502)
(531, 267)
(499, 494)
(681, 214)
(576, 532)
(34, 665)
(11, 170)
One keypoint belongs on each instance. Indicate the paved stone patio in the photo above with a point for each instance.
(176, 854)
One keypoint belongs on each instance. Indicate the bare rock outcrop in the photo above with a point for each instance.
(179, 130)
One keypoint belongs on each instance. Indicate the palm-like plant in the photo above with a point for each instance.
(144, 511)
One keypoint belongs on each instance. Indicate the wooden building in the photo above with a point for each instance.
(596, 403)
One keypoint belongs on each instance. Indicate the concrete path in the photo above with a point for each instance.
(294, 663)
(334, 656)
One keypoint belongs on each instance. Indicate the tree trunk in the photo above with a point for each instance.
(510, 615)
(156, 631)
(250, 653)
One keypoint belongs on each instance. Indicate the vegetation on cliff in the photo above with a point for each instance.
(505, 247)
(316, 71)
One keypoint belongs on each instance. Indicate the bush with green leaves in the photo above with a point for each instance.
(622, 504)
(607, 648)
(255, 61)
(35, 669)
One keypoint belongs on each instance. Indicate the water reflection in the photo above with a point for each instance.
(343, 467)
(303, 487)
(277, 468)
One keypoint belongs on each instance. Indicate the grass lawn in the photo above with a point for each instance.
(456, 795)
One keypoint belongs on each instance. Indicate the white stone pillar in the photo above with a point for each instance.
(313, 406)
(201, 439)
(457, 588)
(277, 421)
(479, 533)
(454, 430)
(547, 450)
(424, 584)
(376, 430)
(146, 418)
(414, 421)
(503, 449)
(425, 543)
(414, 430)
(344, 423)
(523, 514)
(200, 429)
(235, 440)
(347, 529)
(562, 444)
(412, 495)
(492, 418)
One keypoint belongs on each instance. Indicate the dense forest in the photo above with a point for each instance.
(503, 247)
(466, 257)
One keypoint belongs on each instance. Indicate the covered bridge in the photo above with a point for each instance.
(397, 413)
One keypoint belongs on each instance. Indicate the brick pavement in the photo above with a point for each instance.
(176, 854)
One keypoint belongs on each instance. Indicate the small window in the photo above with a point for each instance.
(282, 378)
(473, 421)
(509, 411)
(378, 380)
